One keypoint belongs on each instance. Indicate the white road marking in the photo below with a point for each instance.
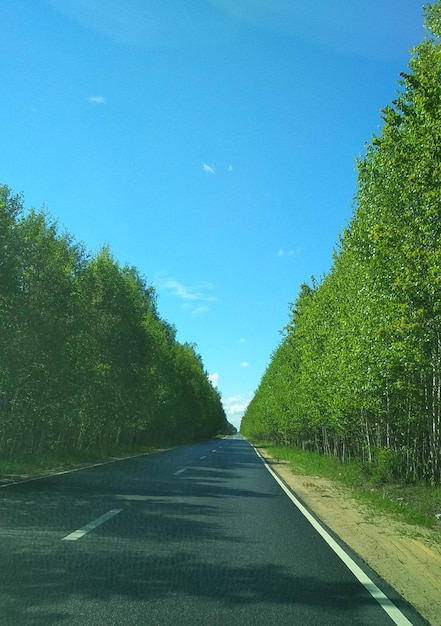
(213, 450)
(394, 613)
(203, 457)
(77, 534)
(29, 480)
(179, 472)
(78, 469)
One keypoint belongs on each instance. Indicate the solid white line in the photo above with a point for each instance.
(77, 534)
(179, 472)
(29, 480)
(394, 613)
(84, 467)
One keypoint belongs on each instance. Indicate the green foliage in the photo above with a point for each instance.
(358, 373)
(86, 361)
(416, 503)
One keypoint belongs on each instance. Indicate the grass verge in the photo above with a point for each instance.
(25, 465)
(416, 503)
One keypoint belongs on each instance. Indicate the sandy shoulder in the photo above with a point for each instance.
(407, 557)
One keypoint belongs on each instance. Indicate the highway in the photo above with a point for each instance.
(197, 535)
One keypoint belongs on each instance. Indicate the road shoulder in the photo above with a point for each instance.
(407, 557)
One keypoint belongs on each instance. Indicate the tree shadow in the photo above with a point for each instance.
(175, 552)
(49, 589)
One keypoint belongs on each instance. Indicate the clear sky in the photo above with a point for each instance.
(210, 143)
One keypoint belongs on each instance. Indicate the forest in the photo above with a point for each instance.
(86, 362)
(357, 374)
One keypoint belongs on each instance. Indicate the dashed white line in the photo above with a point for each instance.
(77, 534)
(179, 472)
(203, 457)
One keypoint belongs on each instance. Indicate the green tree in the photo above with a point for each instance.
(366, 341)
(86, 361)
(39, 319)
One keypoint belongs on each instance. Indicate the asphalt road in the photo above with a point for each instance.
(196, 535)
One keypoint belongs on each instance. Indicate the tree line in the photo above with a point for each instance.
(86, 362)
(358, 371)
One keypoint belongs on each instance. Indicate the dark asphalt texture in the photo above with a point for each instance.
(219, 542)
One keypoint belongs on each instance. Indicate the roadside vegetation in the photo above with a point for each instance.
(416, 503)
(357, 375)
(88, 368)
(23, 466)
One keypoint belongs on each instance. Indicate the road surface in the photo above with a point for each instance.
(197, 535)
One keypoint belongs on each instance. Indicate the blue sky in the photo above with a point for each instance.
(210, 143)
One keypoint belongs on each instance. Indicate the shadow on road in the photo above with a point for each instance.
(178, 543)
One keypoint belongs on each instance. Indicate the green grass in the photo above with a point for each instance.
(26, 465)
(416, 503)
(31, 464)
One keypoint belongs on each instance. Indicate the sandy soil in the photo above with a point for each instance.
(407, 557)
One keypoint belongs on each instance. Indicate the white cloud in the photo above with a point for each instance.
(208, 169)
(200, 309)
(244, 364)
(214, 379)
(289, 252)
(235, 406)
(97, 100)
(194, 297)
(175, 288)
(152, 24)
